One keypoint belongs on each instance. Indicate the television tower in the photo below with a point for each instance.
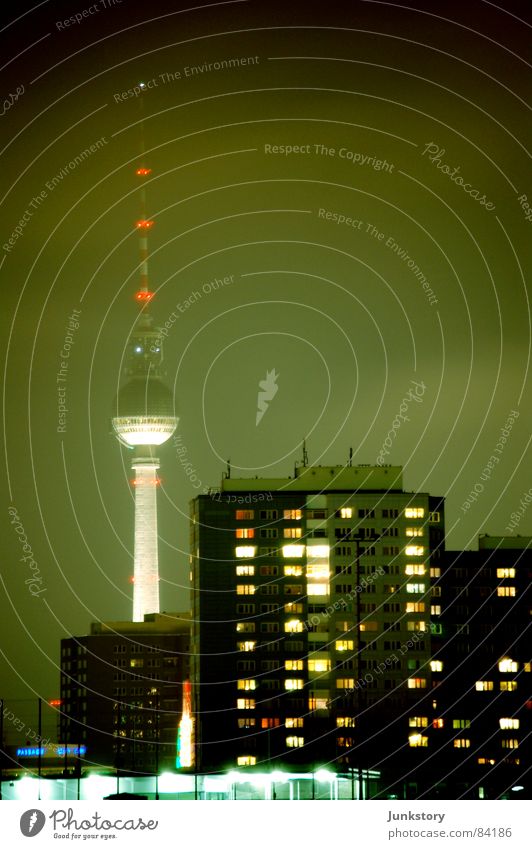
(143, 419)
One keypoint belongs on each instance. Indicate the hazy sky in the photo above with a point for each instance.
(356, 173)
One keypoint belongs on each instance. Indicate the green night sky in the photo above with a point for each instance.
(334, 115)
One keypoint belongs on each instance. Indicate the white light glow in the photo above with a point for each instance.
(144, 430)
(293, 550)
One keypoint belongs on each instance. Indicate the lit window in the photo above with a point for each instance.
(418, 721)
(368, 626)
(508, 686)
(345, 721)
(247, 645)
(136, 662)
(246, 760)
(415, 569)
(462, 743)
(414, 532)
(415, 607)
(245, 627)
(510, 743)
(247, 722)
(434, 517)
(293, 665)
(245, 704)
(293, 607)
(294, 722)
(527, 667)
(414, 512)
(506, 722)
(292, 514)
(508, 665)
(293, 626)
(506, 573)
(295, 571)
(245, 550)
(318, 570)
(344, 645)
(245, 589)
(293, 550)
(438, 723)
(245, 570)
(415, 588)
(270, 722)
(318, 589)
(315, 703)
(319, 665)
(435, 572)
(487, 761)
(346, 512)
(414, 550)
(295, 742)
(417, 683)
(435, 609)
(461, 723)
(345, 683)
(506, 592)
(416, 626)
(346, 742)
(242, 515)
(294, 683)
(292, 533)
(436, 665)
(418, 740)
(246, 684)
(245, 533)
(482, 686)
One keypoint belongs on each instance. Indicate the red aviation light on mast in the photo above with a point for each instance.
(144, 296)
(144, 224)
(143, 172)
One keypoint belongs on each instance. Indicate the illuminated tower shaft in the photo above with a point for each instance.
(144, 417)
(146, 558)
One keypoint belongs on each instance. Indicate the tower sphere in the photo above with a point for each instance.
(144, 412)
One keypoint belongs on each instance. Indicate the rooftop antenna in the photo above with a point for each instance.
(228, 472)
(350, 461)
(305, 453)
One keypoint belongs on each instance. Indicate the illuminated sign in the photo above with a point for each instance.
(50, 751)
